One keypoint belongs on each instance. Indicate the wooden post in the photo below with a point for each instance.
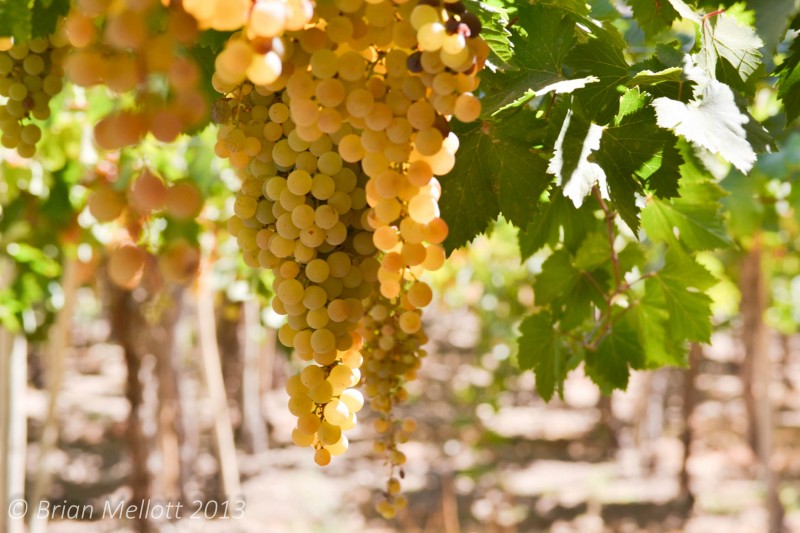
(55, 354)
(757, 358)
(212, 372)
(253, 423)
(13, 429)
(687, 435)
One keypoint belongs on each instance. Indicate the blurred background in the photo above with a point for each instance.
(175, 393)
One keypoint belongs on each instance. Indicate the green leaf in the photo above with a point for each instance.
(609, 366)
(712, 120)
(680, 283)
(558, 277)
(495, 172)
(541, 39)
(16, 19)
(569, 291)
(695, 218)
(724, 38)
(653, 17)
(540, 351)
(744, 203)
(214, 40)
(571, 162)
(648, 77)
(660, 346)
(664, 181)
(789, 81)
(45, 16)
(602, 58)
(772, 19)
(625, 148)
(494, 20)
(557, 218)
(594, 252)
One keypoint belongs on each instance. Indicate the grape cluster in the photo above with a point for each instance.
(302, 212)
(392, 356)
(358, 106)
(258, 54)
(30, 75)
(146, 194)
(119, 45)
(261, 18)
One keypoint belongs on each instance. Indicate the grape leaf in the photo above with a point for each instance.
(648, 77)
(15, 19)
(664, 181)
(45, 16)
(653, 17)
(680, 283)
(576, 7)
(602, 58)
(723, 37)
(566, 289)
(712, 120)
(494, 22)
(541, 38)
(594, 252)
(772, 20)
(632, 142)
(789, 78)
(541, 351)
(570, 162)
(695, 216)
(557, 220)
(609, 365)
(214, 40)
(744, 203)
(685, 11)
(495, 172)
(558, 277)
(660, 345)
(559, 87)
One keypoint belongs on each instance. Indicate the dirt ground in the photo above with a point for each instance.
(481, 461)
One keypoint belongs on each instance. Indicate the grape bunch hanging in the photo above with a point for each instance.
(338, 145)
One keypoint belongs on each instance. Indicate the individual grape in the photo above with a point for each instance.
(148, 192)
(106, 204)
(126, 265)
(184, 200)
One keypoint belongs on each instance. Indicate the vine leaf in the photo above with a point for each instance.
(629, 144)
(693, 218)
(16, 19)
(557, 220)
(602, 58)
(570, 162)
(566, 289)
(724, 38)
(609, 365)
(540, 351)
(494, 21)
(45, 16)
(594, 252)
(653, 17)
(559, 87)
(541, 38)
(664, 181)
(495, 172)
(679, 284)
(712, 120)
(789, 79)
(661, 347)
